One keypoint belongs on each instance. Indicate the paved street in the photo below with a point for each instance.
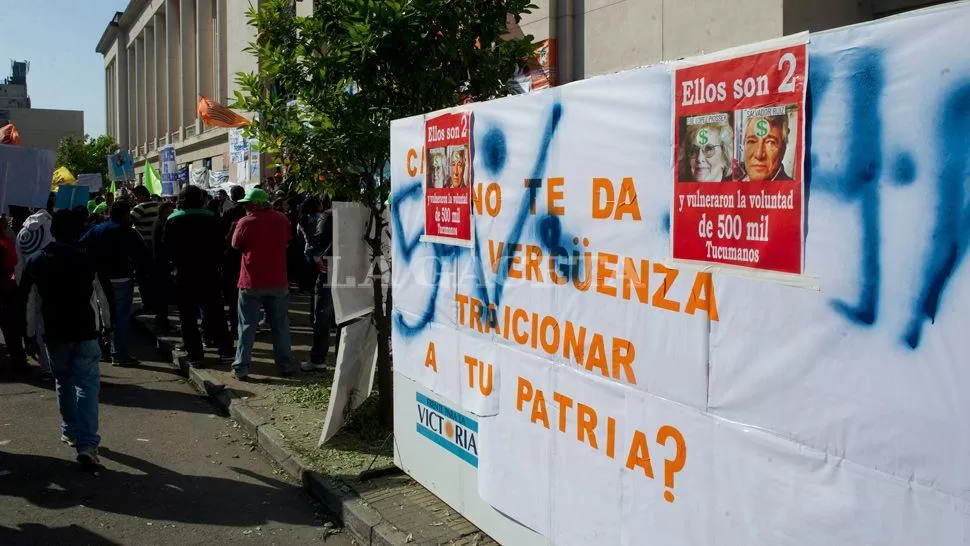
(175, 471)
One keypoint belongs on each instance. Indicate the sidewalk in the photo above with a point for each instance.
(286, 416)
(175, 472)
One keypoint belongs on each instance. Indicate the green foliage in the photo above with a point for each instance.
(330, 84)
(85, 155)
(402, 58)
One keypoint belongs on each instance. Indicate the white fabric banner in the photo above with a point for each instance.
(634, 399)
(350, 278)
(353, 379)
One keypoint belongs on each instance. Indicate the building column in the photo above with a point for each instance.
(222, 66)
(108, 128)
(205, 49)
(161, 78)
(188, 73)
(173, 99)
(149, 44)
(138, 108)
(128, 97)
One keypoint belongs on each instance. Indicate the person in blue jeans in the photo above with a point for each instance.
(119, 253)
(61, 281)
(261, 238)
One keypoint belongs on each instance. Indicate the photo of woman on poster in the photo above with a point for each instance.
(437, 168)
(706, 148)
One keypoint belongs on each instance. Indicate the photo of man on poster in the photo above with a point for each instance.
(459, 170)
(764, 144)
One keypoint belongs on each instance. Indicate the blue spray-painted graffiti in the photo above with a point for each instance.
(952, 230)
(855, 180)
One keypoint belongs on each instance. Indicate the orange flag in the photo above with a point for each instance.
(214, 114)
(9, 135)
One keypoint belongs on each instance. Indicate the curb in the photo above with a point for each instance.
(367, 524)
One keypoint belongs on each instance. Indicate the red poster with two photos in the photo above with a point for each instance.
(739, 151)
(448, 179)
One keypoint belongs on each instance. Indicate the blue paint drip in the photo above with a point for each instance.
(494, 151)
(952, 229)
(408, 192)
(522, 215)
(857, 179)
(904, 169)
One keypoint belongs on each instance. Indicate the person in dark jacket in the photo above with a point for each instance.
(193, 239)
(119, 253)
(62, 281)
(319, 250)
(230, 268)
(161, 270)
(11, 320)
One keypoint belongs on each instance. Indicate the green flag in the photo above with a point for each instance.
(114, 187)
(152, 180)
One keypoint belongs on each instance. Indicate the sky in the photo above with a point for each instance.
(58, 37)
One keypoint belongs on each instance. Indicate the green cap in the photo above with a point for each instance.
(255, 195)
(102, 207)
(92, 204)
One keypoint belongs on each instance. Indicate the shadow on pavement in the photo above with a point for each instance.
(144, 490)
(137, 396)
(35, 533)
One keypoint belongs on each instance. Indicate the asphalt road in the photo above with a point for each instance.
(175, 471)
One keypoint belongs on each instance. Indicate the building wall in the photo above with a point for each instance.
(602, 36)
(159, 56)
(43, 129)
(14, 96)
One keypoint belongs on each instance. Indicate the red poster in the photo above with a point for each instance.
(447, 187)
(739, 149)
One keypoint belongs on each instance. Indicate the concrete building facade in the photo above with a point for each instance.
(38, 127)
(602, 36)
(160, 55)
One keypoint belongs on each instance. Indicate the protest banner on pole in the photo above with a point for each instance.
(447, 188)
(121, 166)
(25, 176)
(166, 157)
(92, 180)
(70, 196)
(739, 147)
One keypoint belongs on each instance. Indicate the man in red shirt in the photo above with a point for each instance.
(261, 237)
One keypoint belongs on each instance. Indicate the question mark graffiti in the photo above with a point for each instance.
(675, 465)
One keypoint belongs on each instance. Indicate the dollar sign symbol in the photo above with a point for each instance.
(437, 215)
(702, 137)
(761, 128)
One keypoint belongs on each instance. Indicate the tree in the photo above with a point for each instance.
(85, 155)
(330, 84)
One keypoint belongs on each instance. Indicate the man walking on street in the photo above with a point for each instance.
(143, 217)
(119, 253)
(193, 239)
(262, 237)
(62, 281)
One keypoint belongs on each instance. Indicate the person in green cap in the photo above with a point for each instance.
(261, 237)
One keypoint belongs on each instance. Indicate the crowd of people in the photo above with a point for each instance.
(226, 260)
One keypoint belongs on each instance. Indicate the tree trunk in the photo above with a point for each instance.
(382, 320)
